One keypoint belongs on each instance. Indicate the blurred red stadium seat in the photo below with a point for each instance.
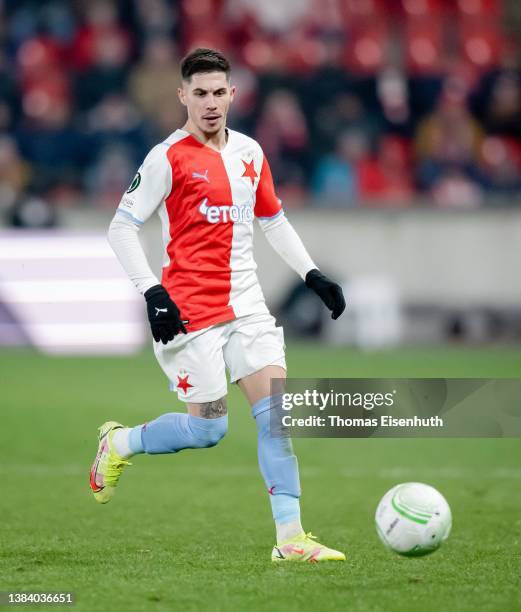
(201, 9)
(366, 47)
(481, 43)
(201, 24)
(207, 36)
(307, 53)
(422, 8)
(363, 9)
(423, 45)
(479, 8)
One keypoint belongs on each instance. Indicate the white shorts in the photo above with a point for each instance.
(195, 363)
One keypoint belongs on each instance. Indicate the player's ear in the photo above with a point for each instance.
(182, 95)
(232, 92)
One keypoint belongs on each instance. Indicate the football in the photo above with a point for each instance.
(413, 519)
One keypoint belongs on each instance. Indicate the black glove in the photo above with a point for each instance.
(163, 314)
(328, 291)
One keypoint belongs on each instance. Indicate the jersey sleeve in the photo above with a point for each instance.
(267, 205)
(149, 188)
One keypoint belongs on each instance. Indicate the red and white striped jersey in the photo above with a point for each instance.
(207, 201)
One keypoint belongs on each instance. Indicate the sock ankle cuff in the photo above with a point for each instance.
(135, 442)
(285, 508)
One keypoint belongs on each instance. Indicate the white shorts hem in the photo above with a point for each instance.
(201, 398)
(280, 361)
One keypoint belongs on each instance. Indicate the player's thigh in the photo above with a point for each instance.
(259, 384)
(255, 348)
(194, 364)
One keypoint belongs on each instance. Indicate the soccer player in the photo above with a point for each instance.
(208, 183)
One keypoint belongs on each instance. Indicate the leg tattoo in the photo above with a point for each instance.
(213, 410)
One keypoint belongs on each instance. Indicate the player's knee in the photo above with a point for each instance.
(216, 431)
(209, 432)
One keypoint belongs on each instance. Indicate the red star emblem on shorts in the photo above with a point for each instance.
(183, 383)
(249, 171)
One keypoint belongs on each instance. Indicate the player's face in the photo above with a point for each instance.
(207, 97)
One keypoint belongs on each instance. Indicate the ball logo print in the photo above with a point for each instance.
(135, 183)
(413, 519)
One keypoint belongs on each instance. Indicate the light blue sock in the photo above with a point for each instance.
(278, 466)
(285, 508)
(134, 440)
(176, 431)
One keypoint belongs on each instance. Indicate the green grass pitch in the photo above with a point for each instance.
(193, 531)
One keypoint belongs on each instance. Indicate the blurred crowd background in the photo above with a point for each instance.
(365, 108)
(357, 103)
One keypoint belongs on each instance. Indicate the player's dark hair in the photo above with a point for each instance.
(204, 60)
